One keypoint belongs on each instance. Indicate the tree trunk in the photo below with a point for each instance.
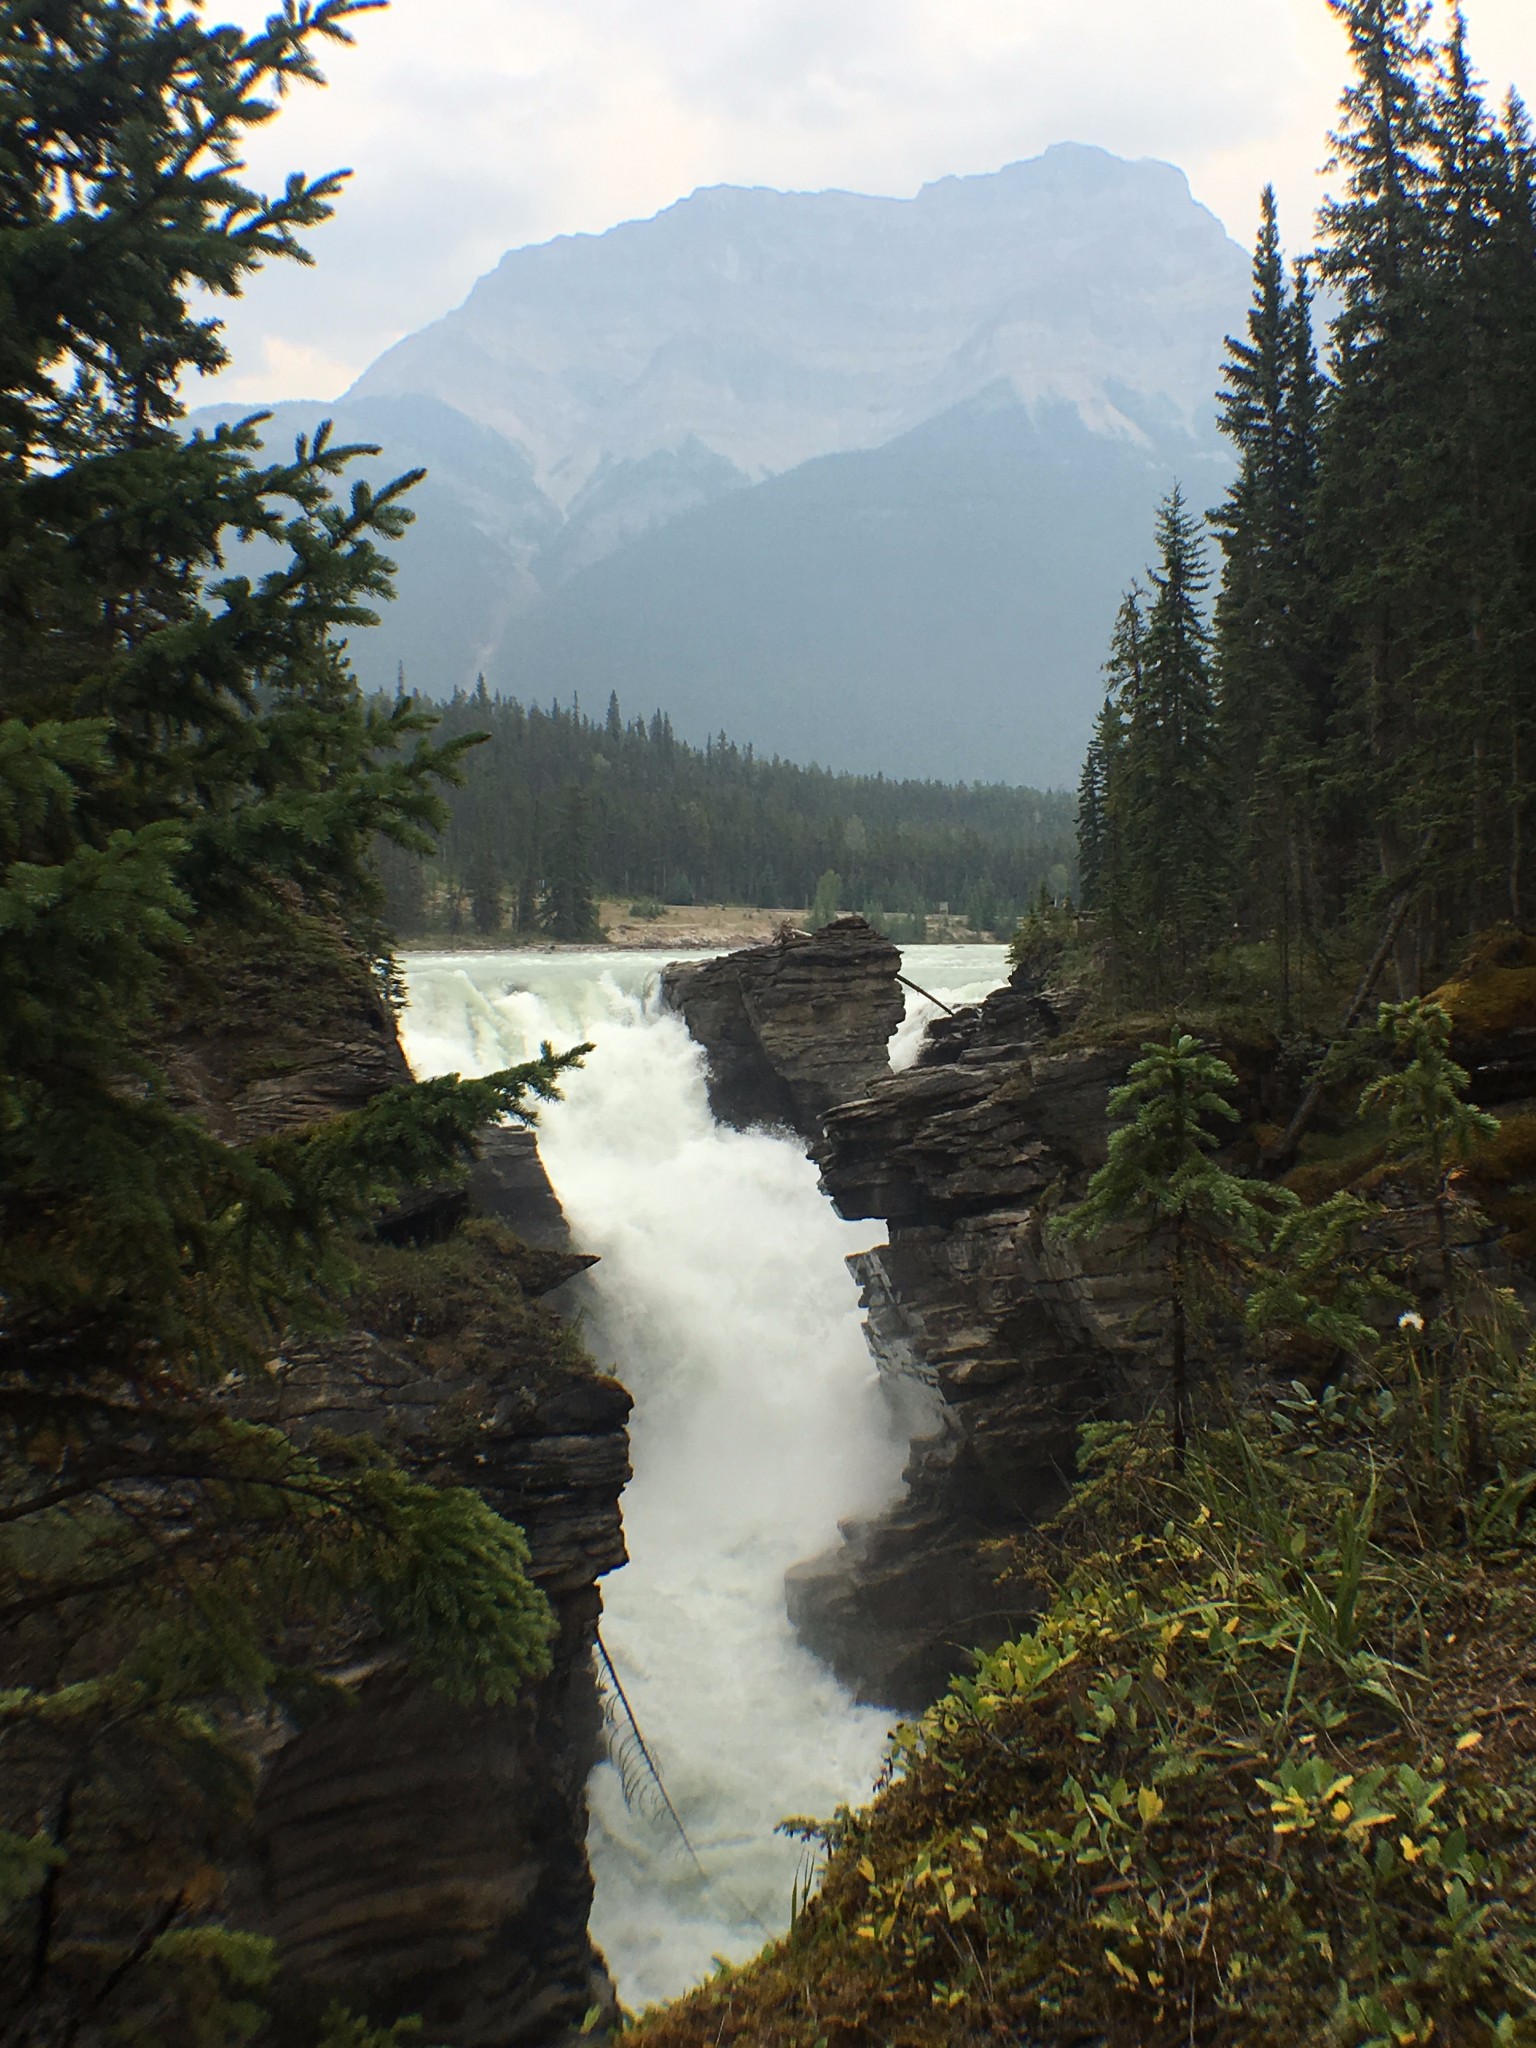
(1180, 1350)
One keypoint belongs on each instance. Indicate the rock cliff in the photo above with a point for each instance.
(793, 1027)
(410, 1855)
(1021, 1339)
(1024, 1338)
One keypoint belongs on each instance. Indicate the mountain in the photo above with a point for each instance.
(857, 478)
(937, 607)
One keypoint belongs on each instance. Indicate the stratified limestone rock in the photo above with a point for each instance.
(414, 1855)
(410, 1855)
(1022, 1337)
(793, 1027)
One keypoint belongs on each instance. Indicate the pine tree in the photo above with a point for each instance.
(1092, 819)
(1165, 790)
(569, 906)
(1123, 682)
(1271, 704)
(483, 882)
(187, 772)
(1197, 1222)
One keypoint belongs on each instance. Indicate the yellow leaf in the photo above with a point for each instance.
(866, 1870)
(1148, 1805)
(1342, 1809)
(1470, 1740)
(1410, 1848)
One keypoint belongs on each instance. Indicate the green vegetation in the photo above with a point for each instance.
(190, 789)
(1261, 1774)
(716, 824)
(1161, 1190)
(1353, 756)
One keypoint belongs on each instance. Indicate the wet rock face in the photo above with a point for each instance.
(793, 1027)
(1021, 1337)
(418, 1856)
(410, 1855)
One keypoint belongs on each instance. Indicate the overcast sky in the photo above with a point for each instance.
(475, 126)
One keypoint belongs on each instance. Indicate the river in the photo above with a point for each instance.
(723, 1303)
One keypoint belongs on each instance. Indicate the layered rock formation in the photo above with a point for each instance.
(1021, 1338)
(415, 1855)
(410, 1855)
(793, 1027)
(1024, 1337)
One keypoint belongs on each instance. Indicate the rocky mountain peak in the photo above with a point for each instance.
(770, 327)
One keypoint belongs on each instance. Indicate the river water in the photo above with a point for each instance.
(723, 1303)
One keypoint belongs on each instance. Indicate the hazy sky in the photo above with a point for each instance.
(475, 126)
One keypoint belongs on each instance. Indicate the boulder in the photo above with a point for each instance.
(793, 1027)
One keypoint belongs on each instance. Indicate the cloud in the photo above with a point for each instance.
(478, 125)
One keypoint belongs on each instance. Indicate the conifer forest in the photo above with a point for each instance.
(667, 822)
(1209, 1291)
(1342, 741)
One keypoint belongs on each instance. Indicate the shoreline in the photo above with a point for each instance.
(722, 929)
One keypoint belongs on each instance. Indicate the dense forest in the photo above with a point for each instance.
(1342, 757)
(190, 788)
(636, 813)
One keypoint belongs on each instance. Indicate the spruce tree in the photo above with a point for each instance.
(1268, 657)
(1196, 1222)
(1103, 852)
(1165, 790)
(186, 772)
(1092, 821)
(569, 907)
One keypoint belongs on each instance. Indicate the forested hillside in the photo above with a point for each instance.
(636, 813)
(1344, 756)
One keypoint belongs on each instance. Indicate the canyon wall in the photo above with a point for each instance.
(793, 1027)
(410, 1855)
(1018, 1338)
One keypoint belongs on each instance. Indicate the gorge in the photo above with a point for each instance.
(785, 1493)
(722, 1300)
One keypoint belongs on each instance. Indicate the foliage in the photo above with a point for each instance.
(1249, 1778)
(568, 909)
(1042, 939)
(1424, 1091)
(1374, 719)
(1151, 831)
(188, 780)
(718, 824)
(1160, 1185)
(826, 900)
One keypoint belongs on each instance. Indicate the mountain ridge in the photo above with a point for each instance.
(726, 460)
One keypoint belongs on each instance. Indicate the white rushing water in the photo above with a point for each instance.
(723, 1303)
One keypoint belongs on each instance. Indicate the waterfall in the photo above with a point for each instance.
(723, 1303)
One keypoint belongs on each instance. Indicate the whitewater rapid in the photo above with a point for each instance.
(723, 1303)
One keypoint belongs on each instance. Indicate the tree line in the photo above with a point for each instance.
(557, 808)
(1341, 747)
